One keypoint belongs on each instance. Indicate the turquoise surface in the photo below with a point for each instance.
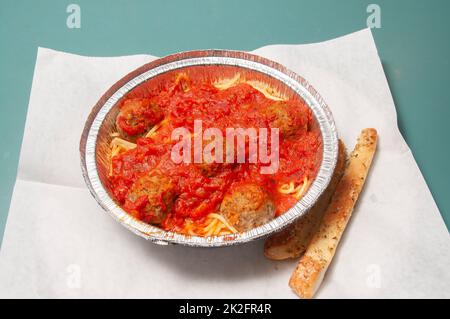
(413, 43)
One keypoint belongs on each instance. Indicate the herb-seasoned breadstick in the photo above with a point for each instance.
(312, 266)
(292, 242)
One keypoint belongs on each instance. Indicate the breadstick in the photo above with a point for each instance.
(312, 266)
(292, 242)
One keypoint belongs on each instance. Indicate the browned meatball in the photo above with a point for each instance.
(213, 168)
(159, 190)
(137, 116)
(247, 206)
(287, 119)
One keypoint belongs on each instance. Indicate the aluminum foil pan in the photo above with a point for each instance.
(94, 145)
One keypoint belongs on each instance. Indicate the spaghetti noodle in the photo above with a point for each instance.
(268, 92)
(214, 225)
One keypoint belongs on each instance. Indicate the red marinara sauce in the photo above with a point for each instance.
(190, 191)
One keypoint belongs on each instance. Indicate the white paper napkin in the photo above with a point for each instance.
(59, 243)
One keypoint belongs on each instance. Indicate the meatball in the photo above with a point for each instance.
(137, 116)
(247, 206)
(158, 196)
(288, 120)
(214, 168)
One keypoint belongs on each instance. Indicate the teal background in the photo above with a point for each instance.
(413, 43)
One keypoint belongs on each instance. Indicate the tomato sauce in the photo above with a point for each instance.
(197, 189)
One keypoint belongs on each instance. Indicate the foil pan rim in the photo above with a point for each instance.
(297, 83)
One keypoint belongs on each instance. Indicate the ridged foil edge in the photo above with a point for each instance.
(297, 83)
